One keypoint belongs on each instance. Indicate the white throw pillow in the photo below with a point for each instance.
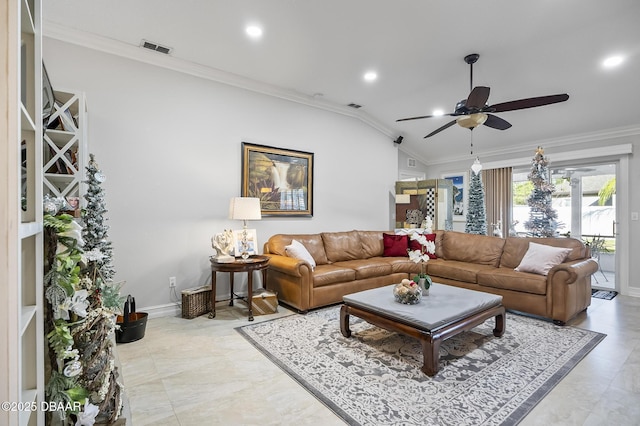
(299, 251)
(540, 258)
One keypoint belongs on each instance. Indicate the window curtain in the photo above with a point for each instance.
(498, 197)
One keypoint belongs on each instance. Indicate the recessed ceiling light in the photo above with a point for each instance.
(438, 112)
(613, 61)
(254, 31)
(370, 76)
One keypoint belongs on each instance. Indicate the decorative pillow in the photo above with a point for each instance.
(414, 245)
(395, 245)
(540, 258)
(297, 250)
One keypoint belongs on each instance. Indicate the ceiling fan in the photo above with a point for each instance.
(474, 111)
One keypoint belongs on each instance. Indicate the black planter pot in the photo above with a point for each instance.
(132, 324)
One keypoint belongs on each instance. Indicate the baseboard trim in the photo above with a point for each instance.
(166, 310)
(634, 292)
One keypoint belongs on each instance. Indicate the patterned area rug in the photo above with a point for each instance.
(603, 294)
(374, 377)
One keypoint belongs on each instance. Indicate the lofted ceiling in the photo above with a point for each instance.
(321, 49)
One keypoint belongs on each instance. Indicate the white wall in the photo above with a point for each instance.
(170, 146)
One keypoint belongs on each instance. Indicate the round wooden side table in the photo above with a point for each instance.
(249, 265)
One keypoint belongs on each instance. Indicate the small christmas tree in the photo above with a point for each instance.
(93, 336)
(542, 216)
(94, 233)
(476, 213)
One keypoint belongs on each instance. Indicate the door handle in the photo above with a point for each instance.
(614, 228)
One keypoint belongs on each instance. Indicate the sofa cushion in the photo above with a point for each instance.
(297, 250)
(313, 243)
(472, 248)
(508, 279)
(540, 258)
(331, 274)
(455, 270)
(340, 246)
(402, 265)
(515, 248)
(415, 245)
(395, 245)
(371, 242)
(367, 268)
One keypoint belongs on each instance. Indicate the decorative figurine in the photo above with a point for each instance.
(222, 243)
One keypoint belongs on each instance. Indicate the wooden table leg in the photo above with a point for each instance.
(431, 356)
(231, 285)
(212, 314)
(250, 293)
(501, 325)
(264, 278)
(344, 321)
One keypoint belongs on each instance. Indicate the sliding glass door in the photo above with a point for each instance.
(585, 200)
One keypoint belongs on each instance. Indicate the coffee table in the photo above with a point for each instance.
(445, 312)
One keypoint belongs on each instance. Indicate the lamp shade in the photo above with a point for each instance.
(245, 208)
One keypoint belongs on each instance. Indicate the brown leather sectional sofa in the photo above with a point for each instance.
(348, 262)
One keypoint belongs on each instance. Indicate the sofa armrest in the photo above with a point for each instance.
(288, 265)
(571, 272)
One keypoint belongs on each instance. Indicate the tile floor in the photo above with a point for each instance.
(202, 372)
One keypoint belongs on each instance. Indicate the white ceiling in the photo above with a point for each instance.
(527, 49)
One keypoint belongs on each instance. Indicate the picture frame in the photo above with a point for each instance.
(281, 178)
(460, 198)
(252, 242)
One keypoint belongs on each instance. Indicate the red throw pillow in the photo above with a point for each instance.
(395, 245)
(414, 245)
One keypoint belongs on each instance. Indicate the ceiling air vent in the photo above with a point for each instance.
(155, 47)
(411, 162)
(356, 106)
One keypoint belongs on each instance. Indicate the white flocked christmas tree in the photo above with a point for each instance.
(95, 232)
(542, 216)
(476, 211)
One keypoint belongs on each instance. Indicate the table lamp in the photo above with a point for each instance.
(244, 209)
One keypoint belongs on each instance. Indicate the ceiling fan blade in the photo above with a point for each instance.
(478, 97)
(439, 129)
(528, 103)
(424, 116)
(496, 122)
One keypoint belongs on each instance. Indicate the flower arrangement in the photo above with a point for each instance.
(407, 292)
(421, 255)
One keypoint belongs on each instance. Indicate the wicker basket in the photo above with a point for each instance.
(196, 302)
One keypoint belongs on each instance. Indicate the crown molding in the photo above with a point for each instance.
(601, 135)
(134, 52)
(582, 154)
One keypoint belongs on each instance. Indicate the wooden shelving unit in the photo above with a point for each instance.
(64, 149)
(21, 298)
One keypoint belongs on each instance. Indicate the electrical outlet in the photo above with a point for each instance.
(172, 282)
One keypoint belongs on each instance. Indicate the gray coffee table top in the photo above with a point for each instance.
(444, 305)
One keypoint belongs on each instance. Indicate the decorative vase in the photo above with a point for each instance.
(407, 295)
(425, 283)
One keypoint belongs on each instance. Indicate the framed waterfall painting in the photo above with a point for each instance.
(281, 178)
(459, 194)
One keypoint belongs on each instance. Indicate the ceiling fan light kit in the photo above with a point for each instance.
(472, 120)
(474, 111)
